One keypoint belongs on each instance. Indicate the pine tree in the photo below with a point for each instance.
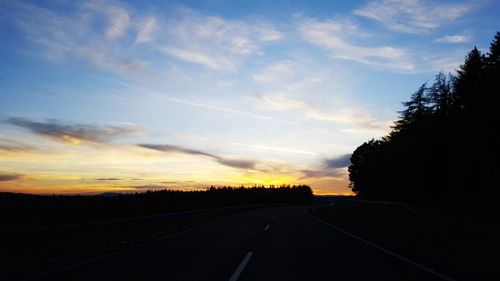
(492, 78)
(415, 109)
(493, 59)
(440, 95)
(468, 84)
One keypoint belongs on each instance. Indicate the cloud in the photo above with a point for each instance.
(330, 168)
(174, 148)
(146, 29)
(213, 42)
(348, 116)
(454, 39)
(9, 177)
(277, 149)
(333, 36)
(322, 173)
(113, 35)
(214, 62)
(239, 164)
(279, 72)
(268, 33)
(73, 134)
(116, 15)
(7, 145)
(338, 162)
(78, 34)
(234, 163)
(161, 96)
(108, 179)
(412, 16)
(444, 62)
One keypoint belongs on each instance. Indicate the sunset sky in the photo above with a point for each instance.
(108, 96)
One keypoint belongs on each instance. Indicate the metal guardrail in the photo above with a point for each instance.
(389, 203)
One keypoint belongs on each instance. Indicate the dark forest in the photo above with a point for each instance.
(444, 148)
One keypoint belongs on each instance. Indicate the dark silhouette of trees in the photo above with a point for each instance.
(440, 95)
(16, 207)
(444, 149)
(415, 110)
(469, 84)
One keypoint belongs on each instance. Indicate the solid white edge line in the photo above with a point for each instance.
(423, 267)
(240, 268)
(124, 250)
(267, 227)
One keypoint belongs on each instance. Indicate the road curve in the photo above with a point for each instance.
(278, 243)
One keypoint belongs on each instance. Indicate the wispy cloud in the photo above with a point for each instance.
(234, 163)
(214, 42)
(160, 96)
(445, 62)
(268, 33)
(330, 168)
(338, 162)
(322, 173)
(412, 16)
(280, 149)
(348, 116)
(279, 72)
(10, 177)
(459, 38)
(333, 36)
(202, 58)
(73, 35)
(7, 145)
(75, 133)
(146, 29)
(117, 16)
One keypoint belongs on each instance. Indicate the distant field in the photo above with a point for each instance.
(461, 242)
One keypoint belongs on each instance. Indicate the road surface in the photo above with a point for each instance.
(276, 243)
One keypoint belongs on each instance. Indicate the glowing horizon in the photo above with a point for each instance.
(109, 96)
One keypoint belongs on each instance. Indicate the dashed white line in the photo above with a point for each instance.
(267, 227)
(240, 268)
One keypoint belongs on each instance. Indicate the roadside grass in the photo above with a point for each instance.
(461, 242)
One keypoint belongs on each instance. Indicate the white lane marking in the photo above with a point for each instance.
(423, 267)
(267, 227)
(126, 249)
(240, 268)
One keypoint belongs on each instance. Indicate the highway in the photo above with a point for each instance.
(274, 243)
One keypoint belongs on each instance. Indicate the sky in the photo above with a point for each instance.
(109, 96)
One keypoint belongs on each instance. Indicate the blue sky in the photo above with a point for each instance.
(127, 96)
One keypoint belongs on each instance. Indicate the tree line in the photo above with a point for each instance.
(444, 148)
(23, 207)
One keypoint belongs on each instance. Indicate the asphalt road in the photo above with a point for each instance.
(279, 243)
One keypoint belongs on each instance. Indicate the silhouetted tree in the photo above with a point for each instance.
(362, 173)
(70, 209)
(444, 148)
(415, 109)
(440, 94)
(468, 84)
